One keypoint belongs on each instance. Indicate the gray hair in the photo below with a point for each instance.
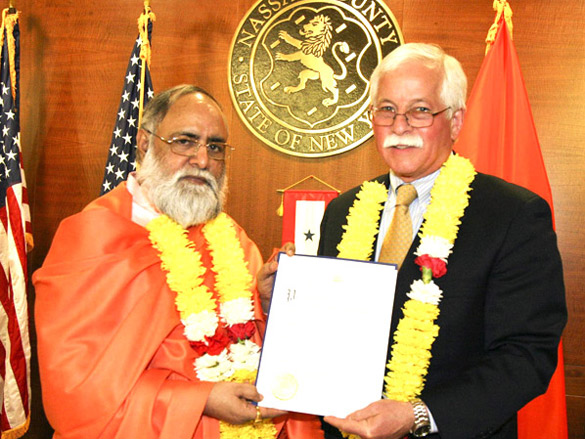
(454, 88)
(157, 108)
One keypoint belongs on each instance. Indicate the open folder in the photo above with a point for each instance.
(326, 340)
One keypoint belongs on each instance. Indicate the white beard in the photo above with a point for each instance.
(186, 203)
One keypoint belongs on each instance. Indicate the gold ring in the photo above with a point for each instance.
(258, 415)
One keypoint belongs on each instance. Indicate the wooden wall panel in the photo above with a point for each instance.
(74, 55)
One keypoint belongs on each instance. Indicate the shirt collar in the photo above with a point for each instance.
(143, 211)
(423, 185)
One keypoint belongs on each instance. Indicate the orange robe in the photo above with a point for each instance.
(113, 359)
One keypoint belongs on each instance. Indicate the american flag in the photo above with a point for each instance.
(15, 216)
(122, 155)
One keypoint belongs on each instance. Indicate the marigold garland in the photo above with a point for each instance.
(416, 331)
(232, 357)
(364, 215)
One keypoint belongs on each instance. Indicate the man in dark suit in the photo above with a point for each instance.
(503, 306)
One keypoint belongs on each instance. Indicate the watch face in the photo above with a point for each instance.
(422, 431)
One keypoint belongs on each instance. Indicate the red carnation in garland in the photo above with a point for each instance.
(241, 331)
(436, 265)
(212, 345)
(199, 347)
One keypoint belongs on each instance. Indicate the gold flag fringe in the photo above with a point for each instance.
(17, 432)
(9, 20)
(501, 7)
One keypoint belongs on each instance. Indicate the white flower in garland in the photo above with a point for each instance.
(245, 355)
(200, 325)
(425, 292)
(214, 368)
(237, 311)
(435, 247)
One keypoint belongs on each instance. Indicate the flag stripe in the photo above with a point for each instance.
(17, 304)
(16, 228)
(15, 371)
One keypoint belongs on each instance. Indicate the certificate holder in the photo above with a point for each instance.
(326, 339)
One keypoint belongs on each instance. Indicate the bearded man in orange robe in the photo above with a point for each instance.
(125, 349)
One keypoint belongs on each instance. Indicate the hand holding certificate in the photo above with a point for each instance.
(326, 339)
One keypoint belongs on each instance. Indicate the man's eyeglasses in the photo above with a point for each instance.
(188, 146)
(417, 117)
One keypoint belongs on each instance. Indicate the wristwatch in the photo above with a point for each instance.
(422, 423)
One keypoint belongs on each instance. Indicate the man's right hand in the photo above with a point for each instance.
(383, 419)
(232, 402)
(265, 276)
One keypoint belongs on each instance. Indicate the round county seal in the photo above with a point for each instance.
(285, 387)
(299, 71)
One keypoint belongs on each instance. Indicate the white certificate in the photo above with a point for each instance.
(327, 335)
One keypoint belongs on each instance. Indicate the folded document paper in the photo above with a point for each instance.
(326, 339)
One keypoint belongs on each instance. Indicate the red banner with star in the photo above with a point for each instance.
(302, 215)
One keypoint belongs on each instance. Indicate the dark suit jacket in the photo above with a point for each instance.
(502, 312)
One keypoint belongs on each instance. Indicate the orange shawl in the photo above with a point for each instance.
(113, 359)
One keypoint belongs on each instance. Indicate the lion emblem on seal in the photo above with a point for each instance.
(317, 35)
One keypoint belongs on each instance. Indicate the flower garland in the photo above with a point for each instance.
(222, 339)
(416, 331)
(358, 239)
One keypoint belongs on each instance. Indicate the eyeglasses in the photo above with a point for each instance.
(417, 117)
(188, 146)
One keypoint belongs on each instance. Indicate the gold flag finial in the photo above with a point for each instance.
(145, 50)
(502, 8)
(143, 20)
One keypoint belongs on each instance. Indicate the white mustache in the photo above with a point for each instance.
(207, 176)
(404, 141)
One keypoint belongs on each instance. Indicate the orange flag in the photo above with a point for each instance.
(500, 138)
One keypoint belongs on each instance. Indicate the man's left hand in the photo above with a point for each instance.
(384, 419)
(265, 277)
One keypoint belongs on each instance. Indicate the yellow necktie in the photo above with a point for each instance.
(399, 236)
